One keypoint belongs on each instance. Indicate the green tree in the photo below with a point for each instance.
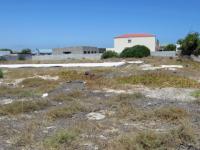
(190, 44)
(170, 47)
(26, 51)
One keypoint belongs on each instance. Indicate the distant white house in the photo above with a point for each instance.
(130, 40)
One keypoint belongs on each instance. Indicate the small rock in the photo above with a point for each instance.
(91, 146)
(8, 142)
(95, 116)
(45, 131)
(45, 95)
(6, 101)
(149, 104)
(51, 127)
(102, 137)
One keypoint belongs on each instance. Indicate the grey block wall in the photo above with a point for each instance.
(75, 50)
(164, 53)
(70, 56)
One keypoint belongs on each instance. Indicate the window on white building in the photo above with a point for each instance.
(129, 41)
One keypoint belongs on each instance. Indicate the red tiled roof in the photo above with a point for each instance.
(135, 35)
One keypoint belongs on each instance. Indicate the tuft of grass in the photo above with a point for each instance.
(158, 79)
(184, 134)
(19, 107)
(1, 73)
(27, 136)
(62, 139)
(39, 84)
(93, 82)
(149, 140)
(62, 97)
(171, 113)
(142, 141)
(17, 92)
(67, 111)
(71, 75)
(129, 97)
(196, 94)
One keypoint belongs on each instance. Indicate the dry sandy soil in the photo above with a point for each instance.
(131, 107)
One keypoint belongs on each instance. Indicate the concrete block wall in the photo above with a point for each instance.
(69, 56)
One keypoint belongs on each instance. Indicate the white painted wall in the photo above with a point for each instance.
(110, 49)
(121, 43)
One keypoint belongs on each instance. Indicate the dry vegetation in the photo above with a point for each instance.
(18, 107)
(132, 121)
(159, 79)
(66, 111)
(151, 140)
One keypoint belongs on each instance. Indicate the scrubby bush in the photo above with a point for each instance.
(170, 47)
(137, 51)
(21, 57)
(2, 58)
(109, 54)
(190, 45)
(1, 73)
(26, 51)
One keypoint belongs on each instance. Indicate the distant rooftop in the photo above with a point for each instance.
(135, 35)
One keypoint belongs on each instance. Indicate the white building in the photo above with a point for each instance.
(130, 40)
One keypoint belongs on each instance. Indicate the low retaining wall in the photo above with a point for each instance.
(14, 57)
(70, 56)
(195, 58)
(164, 54)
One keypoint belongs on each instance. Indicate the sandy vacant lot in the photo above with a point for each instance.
(135, 106)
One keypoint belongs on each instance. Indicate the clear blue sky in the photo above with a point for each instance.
(57, 23)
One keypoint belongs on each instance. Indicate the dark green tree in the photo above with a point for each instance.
(137, 51)
(26, 51)
(190, 44)
(170, 47)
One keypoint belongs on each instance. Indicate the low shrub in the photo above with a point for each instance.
(159, 79)
(196, 94)
(66, 112)
(21, 57)
(61, 139)
(17, 93)
(19, 107)
(2, 58)
(63, 97)
(39, 84)
(1, 73)
(149, 140)
(109, 54)
(171, 113)
(137, 51)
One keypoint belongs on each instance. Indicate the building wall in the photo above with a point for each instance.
(3, 53)
(121, 43)
(75, 50)
(70, 56)
(164, 54)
